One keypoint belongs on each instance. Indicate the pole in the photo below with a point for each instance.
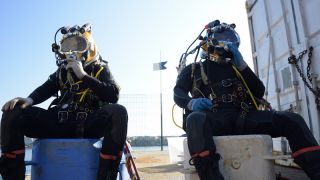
(161, 138)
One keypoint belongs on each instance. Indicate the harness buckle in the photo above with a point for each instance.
(74, 88)
(244, 106)
(81, 116)
(63, 116)
(226, 83)
(72, 107)
(227, 98)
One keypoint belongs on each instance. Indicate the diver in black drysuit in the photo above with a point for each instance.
(222, 107)
(87, 108)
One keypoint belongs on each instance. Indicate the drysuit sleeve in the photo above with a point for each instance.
(105, 87)
(255, 84)
(183, 87)
(46, 90)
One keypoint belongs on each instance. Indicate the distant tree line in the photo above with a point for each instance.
(147, 141)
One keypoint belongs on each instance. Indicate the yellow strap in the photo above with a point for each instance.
(247, 87)
(98, 73)
(84, 93)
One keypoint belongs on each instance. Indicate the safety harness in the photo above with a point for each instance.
(77, 101)
(227, 92)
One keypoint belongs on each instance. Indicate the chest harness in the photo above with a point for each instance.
(228, 93)
(77, 101)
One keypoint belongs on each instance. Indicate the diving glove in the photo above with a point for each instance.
(24, 102)
(76, 67)
(237, 57)
(200, 104)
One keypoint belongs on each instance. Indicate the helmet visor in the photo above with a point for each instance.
(226, 37)
(74, 44)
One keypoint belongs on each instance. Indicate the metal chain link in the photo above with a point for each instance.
(293, 60)
(309, 64)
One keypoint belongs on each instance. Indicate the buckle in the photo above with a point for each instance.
(74, 88)
(227, 98)
(81, 116)
(226, 83)
(244, 106)
(72, 107)
(62, 116)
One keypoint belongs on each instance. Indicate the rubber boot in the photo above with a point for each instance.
(108, 169)
(12, 168)
(310, 163)
(208, 167)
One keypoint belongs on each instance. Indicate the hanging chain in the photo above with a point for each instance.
(293, 60)
(309, 64)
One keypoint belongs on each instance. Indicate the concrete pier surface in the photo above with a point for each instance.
(155, 165)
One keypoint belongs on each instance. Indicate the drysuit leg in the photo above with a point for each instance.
(33, 122)
(201, 146)
(306, 151)
(12, 145)
(110, 122)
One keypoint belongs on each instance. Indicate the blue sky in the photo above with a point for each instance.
(129, 34)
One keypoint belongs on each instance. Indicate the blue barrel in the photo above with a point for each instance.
(67, 159)
(64, 159)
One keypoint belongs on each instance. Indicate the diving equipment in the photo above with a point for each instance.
(77, 42)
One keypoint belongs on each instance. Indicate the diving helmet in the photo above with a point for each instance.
(216, 40)
(77, 42)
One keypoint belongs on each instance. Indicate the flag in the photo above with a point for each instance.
(159, 66)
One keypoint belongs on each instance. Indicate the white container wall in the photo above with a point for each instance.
(278, 30)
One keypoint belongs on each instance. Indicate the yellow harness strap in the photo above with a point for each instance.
(246, 85)
(84, 93)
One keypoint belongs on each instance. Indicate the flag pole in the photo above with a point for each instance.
(161, 138)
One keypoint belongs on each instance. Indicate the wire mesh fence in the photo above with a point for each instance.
(144, 115)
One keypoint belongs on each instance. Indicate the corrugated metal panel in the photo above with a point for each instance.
(278, 30)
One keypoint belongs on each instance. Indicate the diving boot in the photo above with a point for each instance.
(108, 168)
(12, 168)
(310, 163)
(207, 167)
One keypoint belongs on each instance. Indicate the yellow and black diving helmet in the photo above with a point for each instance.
(76, 42)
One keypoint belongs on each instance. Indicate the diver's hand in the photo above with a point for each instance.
(77, 68)
(24, 102)
(237, 57)
(200, 104)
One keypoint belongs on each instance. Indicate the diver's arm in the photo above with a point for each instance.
(46, 90)
(182, 88)
(104, 86)
(255, 84)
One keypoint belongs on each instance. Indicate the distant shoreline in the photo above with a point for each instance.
(135, 141)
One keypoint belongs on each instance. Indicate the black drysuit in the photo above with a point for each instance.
(225, 118)
(85, 109)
